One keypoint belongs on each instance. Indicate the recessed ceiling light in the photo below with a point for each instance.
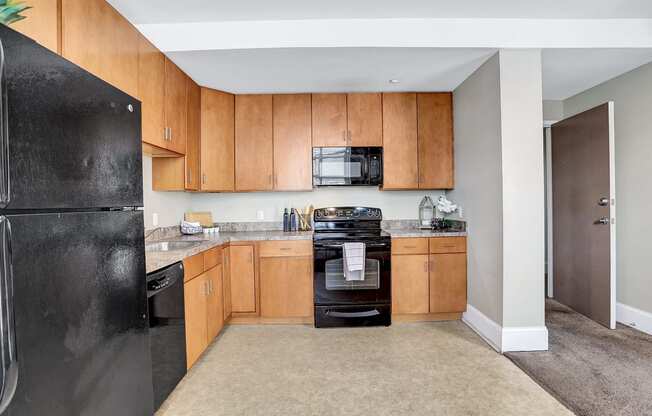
(394, 81)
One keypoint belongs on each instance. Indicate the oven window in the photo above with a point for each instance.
(335, 276)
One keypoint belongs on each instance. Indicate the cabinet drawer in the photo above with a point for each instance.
(193, 266)
(409, 246)
(448, 245)
(212, 257)
(286, 248)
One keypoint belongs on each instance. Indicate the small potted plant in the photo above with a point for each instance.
(10, 11)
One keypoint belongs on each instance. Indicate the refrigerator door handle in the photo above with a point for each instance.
(4, 134)
(8, 358)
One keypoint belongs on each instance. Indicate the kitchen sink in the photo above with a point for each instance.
(171, 245)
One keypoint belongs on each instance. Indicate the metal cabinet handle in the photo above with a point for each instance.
(9, 360)
(203, 179)
(189, 175)
(602, 221)
(4, 135)
(170, 133)
(425, 266)
(603, 202)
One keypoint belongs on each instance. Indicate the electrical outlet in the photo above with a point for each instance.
(460, 212)
(155, 219)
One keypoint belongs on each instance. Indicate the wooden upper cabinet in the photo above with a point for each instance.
(292, 142)
(400, 154)
(253, 143)
(329, 124)
(175, 107)
(41, 23)
(217, 141)
(97, 38)
(435, 140)
(151, 91)
(365, 119)
(193, 136)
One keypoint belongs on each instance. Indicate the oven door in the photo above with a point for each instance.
(333, 166)
(330, 286)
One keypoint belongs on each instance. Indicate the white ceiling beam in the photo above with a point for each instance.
(444, 33)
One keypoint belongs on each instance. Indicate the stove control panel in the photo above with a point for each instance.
(348, 214)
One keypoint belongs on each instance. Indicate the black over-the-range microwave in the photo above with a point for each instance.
(340, 166)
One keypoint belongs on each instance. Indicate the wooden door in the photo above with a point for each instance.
(286, 285)
(365, 119)
(196, 324)
(243, 285)
(217, 141)
(435, 121)
(226, 283)
(151, 91)
(583, 210)
(410, 284)
(253, 143)
(41, 23)
(175, 107)
(292, 142)
(400, 154)
(97, 38)
(193, 136)
(329, 128)
(447, 283)
(215, 303)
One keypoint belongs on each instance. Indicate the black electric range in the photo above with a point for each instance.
(339, 302)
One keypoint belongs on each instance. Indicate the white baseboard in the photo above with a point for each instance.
(483, 326)
(634, 318)
(530, 338)
(506, 339)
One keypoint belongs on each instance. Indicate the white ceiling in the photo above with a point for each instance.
(331, 69)
(167, 11)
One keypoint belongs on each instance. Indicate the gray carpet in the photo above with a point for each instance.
(594, 371)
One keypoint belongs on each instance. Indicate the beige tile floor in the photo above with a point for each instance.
(407, 369)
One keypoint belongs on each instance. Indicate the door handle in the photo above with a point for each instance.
(602, 221)
(603, 202)
(4, 136)
(9, 360)
(363, 314)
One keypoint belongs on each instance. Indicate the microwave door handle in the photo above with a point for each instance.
(7, 331)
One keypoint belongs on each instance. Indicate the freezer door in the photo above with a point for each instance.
(81, 323)
(68, 139)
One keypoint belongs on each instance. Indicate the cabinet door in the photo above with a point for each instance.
(292, 142)
(215, 303)
(217, 141)
(329, 120)
(196, 324)
(435, 140)
(226, 283)
(410, 293)
(400, 141)
(448, 282)
(175, 107)
(286, 287)
(41, 23)
(253, 143)
(243, 286)
(97, 38)
(151, 91)
(193, 132)
(365, 119)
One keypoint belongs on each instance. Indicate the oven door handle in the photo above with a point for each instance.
(363, 314)
(373, 245)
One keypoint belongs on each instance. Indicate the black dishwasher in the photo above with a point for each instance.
(167, 330)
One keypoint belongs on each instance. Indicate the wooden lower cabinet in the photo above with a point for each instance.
(243, 279)
(214, 303)
(226, 283)
(195, 301)
(410, 281)
(448, 282)
(286, 287)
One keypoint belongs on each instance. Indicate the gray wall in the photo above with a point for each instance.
(478, 183)
(553, 110)
(632, 96)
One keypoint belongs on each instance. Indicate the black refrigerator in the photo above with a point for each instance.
(73, 302)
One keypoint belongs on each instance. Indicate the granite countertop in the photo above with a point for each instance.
(158, 259)
(155, 260)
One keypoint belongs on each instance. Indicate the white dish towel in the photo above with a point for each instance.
(354, 261)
